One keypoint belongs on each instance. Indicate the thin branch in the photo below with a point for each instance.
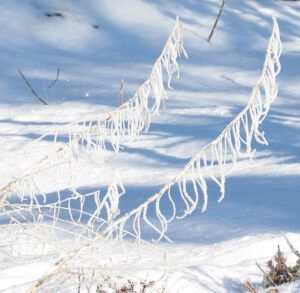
(54, 81)
(122, 92)
(265, 274)
(138, 103)
(80, 91)
(216, 22)
(296, 252)
(31, 88)
(54, 14)
(250, 288)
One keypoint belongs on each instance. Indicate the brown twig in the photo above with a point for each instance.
(217, 20)
(54, 14)
(296, 252)
(79, 282)
(250, 288)
(31, 88)
(54, 81)
(122, 92)
(146, 285)
(265, 274)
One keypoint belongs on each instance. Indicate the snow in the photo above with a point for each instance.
(215, 251)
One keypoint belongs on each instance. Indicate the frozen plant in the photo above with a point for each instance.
(210, 162)
(92, 136)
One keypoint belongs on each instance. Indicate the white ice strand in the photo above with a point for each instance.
(129, 120)
(34, 210)
(134, 116)
(238, 135)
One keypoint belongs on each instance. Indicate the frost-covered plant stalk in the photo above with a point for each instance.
(129, 120)
(80, 215)
(209, 163)
(134, 116)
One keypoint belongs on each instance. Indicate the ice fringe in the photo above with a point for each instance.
(76, 214)
(129, 120)
(208, 163)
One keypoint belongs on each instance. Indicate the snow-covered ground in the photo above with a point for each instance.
(95, 45)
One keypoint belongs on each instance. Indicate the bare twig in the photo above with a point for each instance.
(31, 88)
(54, 14)
(250, 288)
(217, 20)
(69, 81)
(296, 252)
(122, 92)
(79, 282)
(80, 90)
(54, 81)
(146, 285)
(265, 274)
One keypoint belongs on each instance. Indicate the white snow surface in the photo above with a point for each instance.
(97, 44)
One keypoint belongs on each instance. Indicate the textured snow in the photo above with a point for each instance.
(215, 251)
